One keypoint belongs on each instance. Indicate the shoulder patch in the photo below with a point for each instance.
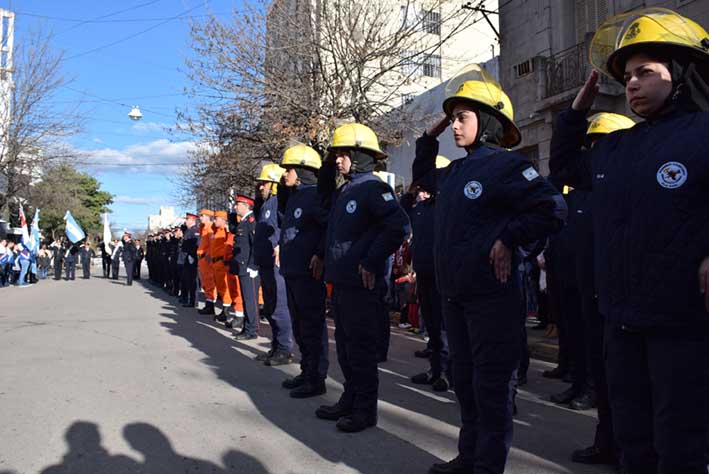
(388, 196)
(251, 219)
(530, 173)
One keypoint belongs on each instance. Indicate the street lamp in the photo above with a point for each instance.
(135, 114)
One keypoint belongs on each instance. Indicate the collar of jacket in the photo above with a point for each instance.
(482, 152)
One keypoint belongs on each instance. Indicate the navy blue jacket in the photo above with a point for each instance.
(268, 232)
(491, 194)
(422, 217)
(190, 242)
(242, 255)
(650, 213)
(303, 229)
(366, 225)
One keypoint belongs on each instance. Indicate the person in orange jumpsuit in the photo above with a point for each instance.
(204, 265)
(217, 252)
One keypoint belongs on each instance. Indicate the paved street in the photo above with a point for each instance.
(97, 377)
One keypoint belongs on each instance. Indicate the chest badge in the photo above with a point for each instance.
(351, 207)
(297, 213)
(672, 175)
(267, 214)
(473, 189)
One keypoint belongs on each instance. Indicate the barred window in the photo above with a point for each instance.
(431, 66)
(432, 22)
(409, 65)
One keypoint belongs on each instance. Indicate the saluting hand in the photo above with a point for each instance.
(587, 95)
(704, 281)
(367, 278)
(501, 260)
(316, 267)
(438, 127)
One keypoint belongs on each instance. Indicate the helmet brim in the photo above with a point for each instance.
(376, 154)
(511, 136)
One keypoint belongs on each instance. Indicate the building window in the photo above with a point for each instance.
(431, 66)
(432, 22)
(408, 16)
(409, 65)
(522, 69)
(406, 99)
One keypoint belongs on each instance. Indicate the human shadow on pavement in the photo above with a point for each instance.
(233, 363)
(87, 455)
(392, 454)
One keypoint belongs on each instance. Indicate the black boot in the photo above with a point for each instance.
(294, 382)
(424, 378)
(356, 422)
(222, 317)
(333, 412)
(565, 397)
(440, 384)
(594, 455)
(455, 466)
(279, 358)
(308, 390)
(585, 401)
(208, 309)
(265, 356)
(555, 373)
(423, 354)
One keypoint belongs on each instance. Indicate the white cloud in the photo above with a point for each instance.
(139, 201)
(97, 140)
(158, 156)
(150, 126)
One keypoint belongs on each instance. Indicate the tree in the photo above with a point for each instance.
(287, 71)
(62, 189)
(32, 129)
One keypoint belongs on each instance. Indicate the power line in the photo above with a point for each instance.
(129, 37)
(110, 101)
(135, 7)
(126, 20)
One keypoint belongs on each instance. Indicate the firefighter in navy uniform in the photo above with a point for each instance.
(603, 450)
(190, 241)
(651, 234)
(422, 222)
(488, 204)
(242, 263)
(302, 250)
(266, 257)
(365, 226)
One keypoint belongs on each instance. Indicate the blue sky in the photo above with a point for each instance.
(145, 70)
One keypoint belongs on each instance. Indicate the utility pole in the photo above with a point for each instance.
(480, 7)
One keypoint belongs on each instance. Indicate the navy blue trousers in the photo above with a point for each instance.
(249, 294)
(658, 385)
(275, 308)
(306, 302)
(484, 336)
(432, 311)
(358, 334)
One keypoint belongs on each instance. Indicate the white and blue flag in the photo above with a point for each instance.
(33, 244)
(72, 230)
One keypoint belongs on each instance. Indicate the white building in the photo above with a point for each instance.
(428, 106)
(165, 218)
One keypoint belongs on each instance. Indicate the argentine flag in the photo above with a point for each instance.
(25, 239)
(72, 230)
(34, 234)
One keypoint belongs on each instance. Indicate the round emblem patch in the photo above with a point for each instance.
(297, 213)
(672, 175)
(351, 206)
(473, 190)
(268, 213)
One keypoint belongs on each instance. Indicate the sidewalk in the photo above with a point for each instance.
(540, 346)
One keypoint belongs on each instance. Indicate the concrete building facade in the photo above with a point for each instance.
(166, 217)
(544, 59)
(442, 45)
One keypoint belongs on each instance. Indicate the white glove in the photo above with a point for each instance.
(190, 259)
(252, 273)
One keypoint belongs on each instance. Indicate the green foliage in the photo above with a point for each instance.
(64, 188)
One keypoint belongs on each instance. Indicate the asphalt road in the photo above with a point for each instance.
(98, 377)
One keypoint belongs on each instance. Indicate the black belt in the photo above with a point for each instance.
(217, 259)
